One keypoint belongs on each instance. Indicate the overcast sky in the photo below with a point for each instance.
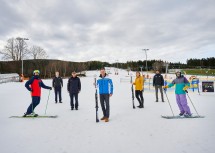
(111, 30)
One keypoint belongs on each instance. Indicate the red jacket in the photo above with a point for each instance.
(34, 85)
(36, 89)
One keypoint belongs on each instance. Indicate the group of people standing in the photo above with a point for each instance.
(158, 83)
(181, 85)
(73, 88)
(35, 84)
(105, 86)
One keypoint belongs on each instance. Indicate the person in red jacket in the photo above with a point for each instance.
(34, 86)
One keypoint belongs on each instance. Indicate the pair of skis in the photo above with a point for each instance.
(30, 116)
(96, 99)
(181, 117)
(132, 92)
(36, 116)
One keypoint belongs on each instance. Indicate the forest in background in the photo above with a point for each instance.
(48, 67)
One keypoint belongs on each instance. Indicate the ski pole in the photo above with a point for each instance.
(192, 102)
(47, 102)
(168, 102)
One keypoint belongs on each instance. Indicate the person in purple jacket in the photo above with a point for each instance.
(181, 85)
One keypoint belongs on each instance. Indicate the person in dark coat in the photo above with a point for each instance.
(74, 88)
(158, 82)
(57, 84)
(34, 85)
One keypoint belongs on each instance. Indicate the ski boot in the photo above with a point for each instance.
(33, 114)
(187, 115)
(25, 115)
(181, 114)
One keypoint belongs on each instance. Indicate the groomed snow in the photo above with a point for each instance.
(129, 130)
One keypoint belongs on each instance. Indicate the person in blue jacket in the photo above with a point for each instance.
(105, 92)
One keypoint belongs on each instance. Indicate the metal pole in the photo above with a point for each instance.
(192, 103)
(146, 61)
(22, 54)
(22, 44)
(168, 102)
(141, 68)
(47, 102)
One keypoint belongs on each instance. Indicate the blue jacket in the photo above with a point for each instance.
(105, 85)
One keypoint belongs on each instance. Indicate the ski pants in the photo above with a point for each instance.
(57, 92)
(35, 102)
(182, 103)
(139, 96)
(156, 92)
(104, 100)
(72, 95)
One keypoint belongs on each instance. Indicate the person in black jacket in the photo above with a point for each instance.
(158, 82)
(74, 87)
(57, 84)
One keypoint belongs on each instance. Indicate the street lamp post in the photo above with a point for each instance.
(146, 61)
(141, 68)
(21, 49)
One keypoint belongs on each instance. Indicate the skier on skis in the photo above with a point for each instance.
(34, 86)
(139, 89)
(105, 92)
(181, 85)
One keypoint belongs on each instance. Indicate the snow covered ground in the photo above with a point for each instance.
(129, 130)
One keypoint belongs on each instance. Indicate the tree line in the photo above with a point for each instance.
(204, 62)
(48, 67)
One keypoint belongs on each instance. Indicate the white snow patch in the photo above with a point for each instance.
(129, 130)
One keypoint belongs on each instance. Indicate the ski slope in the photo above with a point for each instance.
(129, 130)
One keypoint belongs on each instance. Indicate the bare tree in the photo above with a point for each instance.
(9, 51)
(15, 50)
(21, 48)
(38, 53)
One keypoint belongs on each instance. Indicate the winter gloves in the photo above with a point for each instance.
(185, 88)
(164, 87)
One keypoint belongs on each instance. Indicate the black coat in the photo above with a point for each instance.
(74, 85)
(158, 80)
(57, 82)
